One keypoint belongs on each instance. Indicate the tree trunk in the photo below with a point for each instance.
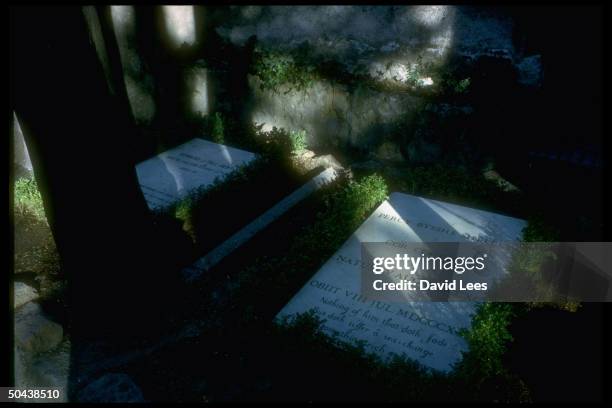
(78, 139)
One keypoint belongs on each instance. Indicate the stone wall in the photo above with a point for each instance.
(390, 63)
(394, 50)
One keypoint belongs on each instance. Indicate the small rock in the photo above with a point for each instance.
(328, 161)
(305, 154)
(23, 294)
(115, 387)
(307, 161)
(34, 333)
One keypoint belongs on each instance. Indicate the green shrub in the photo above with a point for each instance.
(298, 141)
(538, 230)
(487, 339)
(275, 69)
(462, 85)
(525, 270)
(217, 131)
(345, 206)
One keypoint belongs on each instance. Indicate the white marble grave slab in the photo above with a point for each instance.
(171, 175)
(424, 331)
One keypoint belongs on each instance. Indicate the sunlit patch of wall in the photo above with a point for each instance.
(431, 16)
(180, 25)
(419, 39)
(330, 114)
(430, 29)
(139, 83)
(198, 85)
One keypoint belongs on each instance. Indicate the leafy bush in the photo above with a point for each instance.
(275, 69)
(537, 230)
(217, 129)
(462, 85)
(298, 141)
(487, 339)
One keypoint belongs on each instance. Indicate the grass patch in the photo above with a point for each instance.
(36, 259)
(28, 200)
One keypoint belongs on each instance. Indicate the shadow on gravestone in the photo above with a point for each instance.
(173, 174)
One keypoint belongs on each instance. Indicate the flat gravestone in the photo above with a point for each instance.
(173, 174)
(424, 331)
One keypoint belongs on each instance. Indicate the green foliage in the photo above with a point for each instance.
(538, 230)
(297, 71)
(456, 184)
(417, 71)
(275, 69)
(279, 143)
(567, 305)
(527, 263)
(345, 205)
(345, 209)
(34, 247)
(462, 85)
(348, 207)
(526, 268)
(487, 340)
(298, 141)
(27, 199)
(217, 131)
(453, 78)
(378, 379)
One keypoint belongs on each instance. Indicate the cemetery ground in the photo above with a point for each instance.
(217, 340)
(236, 353)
